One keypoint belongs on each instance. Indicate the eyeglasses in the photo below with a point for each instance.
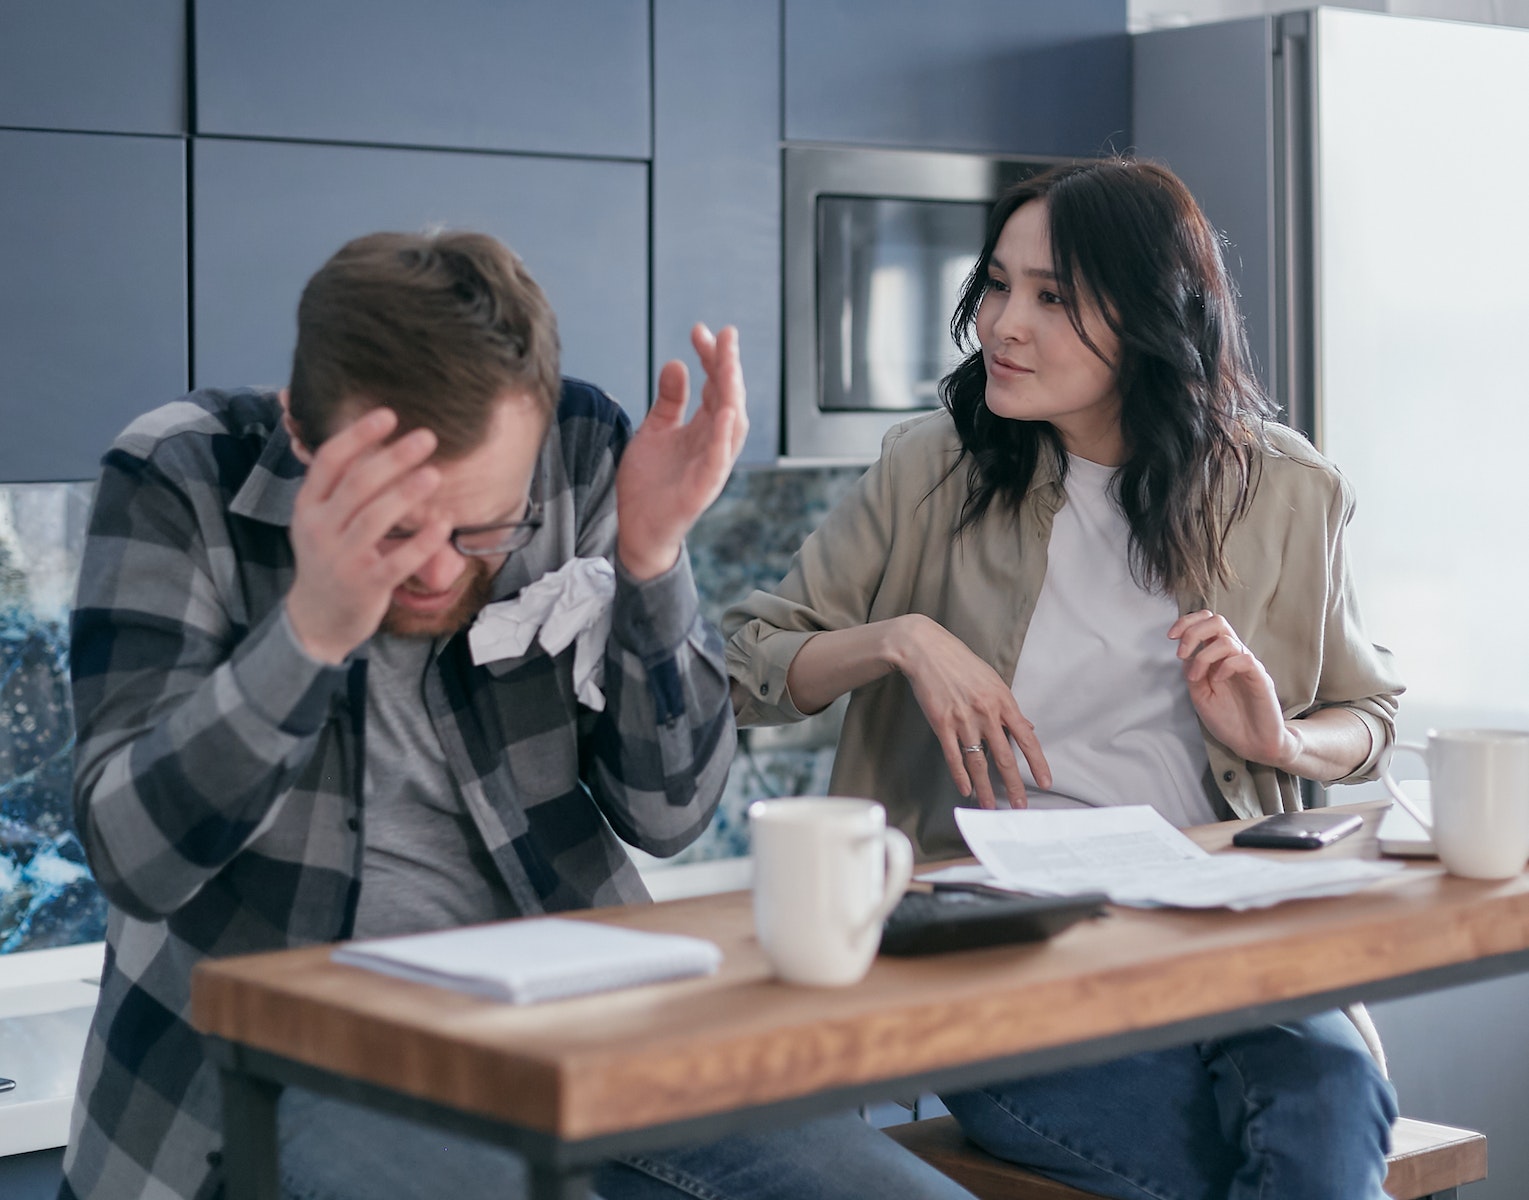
(486, 541)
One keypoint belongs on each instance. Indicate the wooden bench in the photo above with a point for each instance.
(1427, 1162)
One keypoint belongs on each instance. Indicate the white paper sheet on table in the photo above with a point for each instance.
(1138, 859)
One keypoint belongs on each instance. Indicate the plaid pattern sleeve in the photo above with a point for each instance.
(191, 723)
(658, 756)
(218, 775)
(211, 780)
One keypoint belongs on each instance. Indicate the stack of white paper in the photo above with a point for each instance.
(1134, 856)
(525, 962)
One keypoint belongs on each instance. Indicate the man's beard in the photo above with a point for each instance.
(403, 622)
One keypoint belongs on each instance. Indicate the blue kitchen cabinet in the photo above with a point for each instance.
(92, 296)
(537, 75)
(267, 214)
(99, 66)
(716, 191)
(1008, 76)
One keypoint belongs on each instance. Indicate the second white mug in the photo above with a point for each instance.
(827, 870)
(1479, 782)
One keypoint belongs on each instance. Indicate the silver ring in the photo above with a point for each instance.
(977, 749)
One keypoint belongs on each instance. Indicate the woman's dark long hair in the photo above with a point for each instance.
(1128, 240)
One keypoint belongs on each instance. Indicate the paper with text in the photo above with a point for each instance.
(1137, 858)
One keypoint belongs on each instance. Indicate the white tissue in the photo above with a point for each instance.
(569, 605)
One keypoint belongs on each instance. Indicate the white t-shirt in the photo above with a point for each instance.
(1099, 675)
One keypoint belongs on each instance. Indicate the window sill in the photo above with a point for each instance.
(693, 879)
(47, 998)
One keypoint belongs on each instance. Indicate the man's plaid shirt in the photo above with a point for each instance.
(219, 771)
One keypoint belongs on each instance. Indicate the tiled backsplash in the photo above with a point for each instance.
(47, 897)
(744, 542)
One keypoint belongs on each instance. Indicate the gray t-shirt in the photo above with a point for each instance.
(424, 865)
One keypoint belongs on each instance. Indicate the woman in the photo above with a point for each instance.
(1103, 575)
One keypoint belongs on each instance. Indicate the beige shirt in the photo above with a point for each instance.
(890, 549)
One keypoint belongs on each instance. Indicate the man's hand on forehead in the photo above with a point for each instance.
(361, 483)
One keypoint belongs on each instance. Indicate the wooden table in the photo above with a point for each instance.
(571, 1083)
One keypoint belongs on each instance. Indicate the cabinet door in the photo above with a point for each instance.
(536, 75)
(92, 296)
(716, 191)
(99, 66)
(992, 75)
(267, 215)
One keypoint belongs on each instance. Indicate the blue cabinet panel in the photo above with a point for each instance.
(92, 295)
(94, 65)
(716, 191)
(267, 215)
(537, 75)
(1027, 76)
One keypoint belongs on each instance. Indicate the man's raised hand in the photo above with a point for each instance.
(673, 469)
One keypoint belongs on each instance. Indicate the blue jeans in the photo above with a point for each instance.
(1291, 1112)
(336, 1151)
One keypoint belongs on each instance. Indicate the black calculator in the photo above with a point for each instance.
(966, 918)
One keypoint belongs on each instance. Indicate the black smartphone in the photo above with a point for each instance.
(1308, 830)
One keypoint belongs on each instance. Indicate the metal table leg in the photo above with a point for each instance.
(250, 1163)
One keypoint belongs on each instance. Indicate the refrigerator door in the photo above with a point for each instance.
(1421, 324)
(1203, 101)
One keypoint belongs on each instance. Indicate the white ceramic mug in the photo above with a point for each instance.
(1479, 783)
(827, 870)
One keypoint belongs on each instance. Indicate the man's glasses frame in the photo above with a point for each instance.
(487, 541)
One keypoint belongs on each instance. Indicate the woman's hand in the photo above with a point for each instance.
(968, 705)
(1232, 692)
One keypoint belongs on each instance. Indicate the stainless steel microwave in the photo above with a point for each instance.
(878, 244)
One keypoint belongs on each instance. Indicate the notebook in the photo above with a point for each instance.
(1399, 833)
(529, 961)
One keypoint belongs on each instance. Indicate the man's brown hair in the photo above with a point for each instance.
(435, 326)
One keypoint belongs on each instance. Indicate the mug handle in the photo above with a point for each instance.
(899, 851)
(1400, 796)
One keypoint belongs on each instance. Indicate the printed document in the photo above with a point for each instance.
(1138, 859)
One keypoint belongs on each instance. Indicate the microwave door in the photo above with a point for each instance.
(890, 272)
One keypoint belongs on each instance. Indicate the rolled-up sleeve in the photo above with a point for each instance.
(833, 583)
(1356, 674)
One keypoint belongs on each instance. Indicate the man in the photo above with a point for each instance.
(284, 737)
